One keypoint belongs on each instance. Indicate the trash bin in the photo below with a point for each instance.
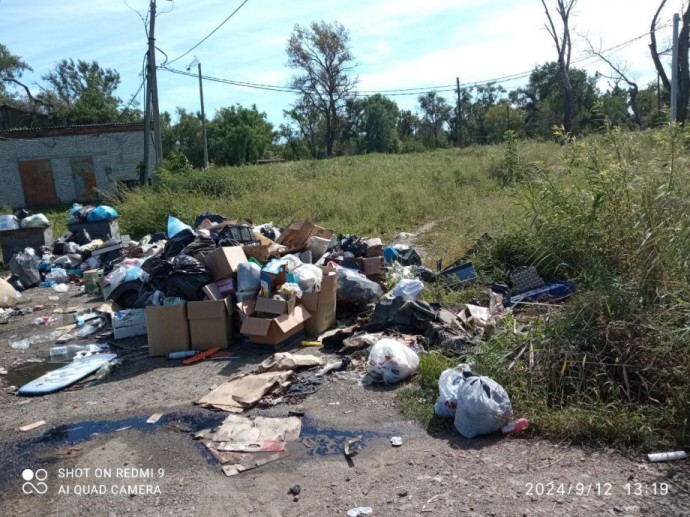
(104, 230)
(14, 241)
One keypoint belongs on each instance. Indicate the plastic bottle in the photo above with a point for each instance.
(184, 354)
(515, 427)
(86, 330)
(69, 351)
(104, 371)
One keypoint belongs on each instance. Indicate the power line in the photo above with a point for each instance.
(396, 91)
(210, 33)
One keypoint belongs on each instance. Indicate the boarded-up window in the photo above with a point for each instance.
(84, 178)
(37, 183)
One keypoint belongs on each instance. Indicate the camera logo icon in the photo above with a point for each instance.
(34, 481)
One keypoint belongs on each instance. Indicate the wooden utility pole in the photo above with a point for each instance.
(144, 180)
(459, 109)
(153, 85)
(674, 70)
(203, 116)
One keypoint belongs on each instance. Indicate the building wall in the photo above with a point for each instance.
(115, 157)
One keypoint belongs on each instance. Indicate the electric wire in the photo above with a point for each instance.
(210, 33)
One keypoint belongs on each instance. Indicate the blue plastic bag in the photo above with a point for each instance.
(175, 226)
(101, 213)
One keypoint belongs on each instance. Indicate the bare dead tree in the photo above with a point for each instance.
(655, 51)
(683, 65)
(564, 47)
(620, 72)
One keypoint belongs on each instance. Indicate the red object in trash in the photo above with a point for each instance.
(515, 427)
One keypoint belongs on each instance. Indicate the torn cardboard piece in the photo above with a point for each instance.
(283, 361)
(241, 443)
(242, 390)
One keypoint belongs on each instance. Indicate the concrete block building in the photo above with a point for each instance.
(48, 166)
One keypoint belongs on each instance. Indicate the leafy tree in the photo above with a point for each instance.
(82, 92)
(305, 120)
(380, 131)
(408, 123)
(614, 105)
(322, 53)
(11, 69)
(185, 136)
(435, 112)
(542, 100)
(238, 135)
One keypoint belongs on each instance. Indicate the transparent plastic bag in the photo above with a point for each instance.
(483, 406)
(390, 361)
(448, 384)
(408, 289)
(308, 277)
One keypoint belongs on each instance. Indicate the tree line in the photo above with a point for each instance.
(329, 117)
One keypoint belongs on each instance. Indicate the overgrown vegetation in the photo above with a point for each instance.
(612, 364)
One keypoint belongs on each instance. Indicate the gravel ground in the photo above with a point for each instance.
(160, 470)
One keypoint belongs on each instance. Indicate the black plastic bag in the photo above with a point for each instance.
(81, 237)
(355, 245)
(25, 266)
(182, 276)
(214, 218)
(176, 244)
(356, 291)
(16, 283)
(22, 213)
(199, 245)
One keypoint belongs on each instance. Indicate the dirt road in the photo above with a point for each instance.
(130, 467)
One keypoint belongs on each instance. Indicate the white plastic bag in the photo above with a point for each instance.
(483, 406)
(448, 384)
(35, 221)
(390, 361)
(308, 278)
(408, 289)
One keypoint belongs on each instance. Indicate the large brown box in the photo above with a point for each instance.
(321, 305)
(271, 331)
(223, 262)
(210, 324)
(167, 328)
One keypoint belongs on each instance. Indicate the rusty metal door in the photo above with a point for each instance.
(37, 182)
(84, 178)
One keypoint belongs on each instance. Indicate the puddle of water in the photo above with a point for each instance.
(82, 431)
(327, 441)
(28, 372)
(39, 451)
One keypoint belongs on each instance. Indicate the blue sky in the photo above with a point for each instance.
(397, 44)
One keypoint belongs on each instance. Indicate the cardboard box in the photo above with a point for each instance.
(259, 252)
(129, 323)
(223, 262)
(372, 266)
(321, 305)
(271, 277)
(168, 329)
(374, 247)
(271, 331)
(296, 235)
(209, 323)
(220, 290)
(274, 307)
